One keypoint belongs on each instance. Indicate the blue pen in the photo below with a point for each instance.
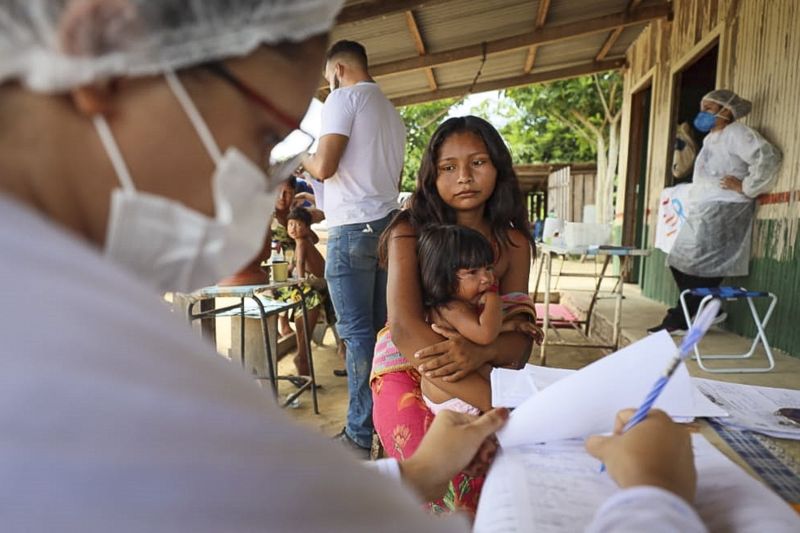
(696, 332)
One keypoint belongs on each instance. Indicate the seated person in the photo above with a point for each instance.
(288, 199)
(308, 264)
(252, 273)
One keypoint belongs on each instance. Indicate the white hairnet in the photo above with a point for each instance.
(737, 105)
(53, 45)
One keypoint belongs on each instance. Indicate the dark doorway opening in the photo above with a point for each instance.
(633, 233)
(692, 83)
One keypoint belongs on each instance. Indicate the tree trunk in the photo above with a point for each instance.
(600, 197)
(612, 162)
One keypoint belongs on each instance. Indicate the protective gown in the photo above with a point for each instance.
(715, 239)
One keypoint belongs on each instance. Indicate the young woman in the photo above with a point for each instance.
(466, 178)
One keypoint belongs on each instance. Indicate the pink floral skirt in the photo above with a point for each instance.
(401, 419)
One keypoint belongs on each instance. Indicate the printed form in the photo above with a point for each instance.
(557, 487)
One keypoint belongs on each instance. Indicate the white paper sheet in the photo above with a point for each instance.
(510, 388)
(753, 407)
(586, 402)
(557, 487)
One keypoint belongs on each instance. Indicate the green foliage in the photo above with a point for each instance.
(421, 121)
(558, 121)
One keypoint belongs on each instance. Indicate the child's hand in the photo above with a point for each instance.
(489, 296)
(530, 329)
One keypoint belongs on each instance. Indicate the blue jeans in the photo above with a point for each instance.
(357, 288)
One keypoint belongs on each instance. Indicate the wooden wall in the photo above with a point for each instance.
(568, 191)
(759, 58)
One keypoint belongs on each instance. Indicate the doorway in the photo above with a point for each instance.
(691, 83)
(633, 233)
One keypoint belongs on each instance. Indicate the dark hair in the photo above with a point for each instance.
(301, 214)
(351, 49)
(505, 209)
(442, 250)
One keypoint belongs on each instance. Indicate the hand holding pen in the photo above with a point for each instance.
(655, 453)
(693, 336)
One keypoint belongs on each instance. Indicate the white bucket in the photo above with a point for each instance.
(553, 228)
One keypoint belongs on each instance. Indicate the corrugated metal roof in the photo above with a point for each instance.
(448, 26)
(475, 22)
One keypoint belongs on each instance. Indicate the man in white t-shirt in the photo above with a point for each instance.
(360, 158)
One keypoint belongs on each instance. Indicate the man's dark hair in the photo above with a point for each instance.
(443, 250)
(350, 49)
(301, 214)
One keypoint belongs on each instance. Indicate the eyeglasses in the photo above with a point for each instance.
(285, 156)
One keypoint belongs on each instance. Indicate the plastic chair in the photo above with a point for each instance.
(735, 293)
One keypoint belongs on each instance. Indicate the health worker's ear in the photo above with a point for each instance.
(92, 28)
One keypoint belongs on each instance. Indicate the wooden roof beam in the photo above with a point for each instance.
(541, 18)
(547, 34)
(419, 43)
(380, 8)
(613, 37)
(515, 81)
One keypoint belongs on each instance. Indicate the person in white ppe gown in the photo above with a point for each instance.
(734, 166)
(132, 134)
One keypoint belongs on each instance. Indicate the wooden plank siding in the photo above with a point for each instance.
(759, 54)
(569, 190)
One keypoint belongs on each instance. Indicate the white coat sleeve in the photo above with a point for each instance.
(762, 158)
(648, 509)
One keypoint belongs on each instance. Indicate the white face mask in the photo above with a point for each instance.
(176, 248)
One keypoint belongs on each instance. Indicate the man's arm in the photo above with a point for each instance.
(324, 164)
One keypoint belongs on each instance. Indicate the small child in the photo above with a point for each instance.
(460, 292)
(309, 264)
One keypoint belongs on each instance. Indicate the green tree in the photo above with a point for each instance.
(570, 119)
(421, 120)
(535, 138)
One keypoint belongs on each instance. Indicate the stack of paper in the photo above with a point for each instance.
(752, 407)
(565, 404)
(543, 480)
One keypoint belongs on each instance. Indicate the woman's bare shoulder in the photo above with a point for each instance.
(518, 237)
(402, 228)
(519, 245)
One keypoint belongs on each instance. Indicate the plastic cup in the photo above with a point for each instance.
(280, 271)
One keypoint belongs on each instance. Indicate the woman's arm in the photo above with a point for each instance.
(762, 158)
(480, 328)
(406, 313)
